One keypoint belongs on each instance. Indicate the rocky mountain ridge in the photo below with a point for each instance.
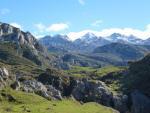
(90, 41)
(13, 34)
(24, 44)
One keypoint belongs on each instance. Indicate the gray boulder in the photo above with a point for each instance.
(33, 86)
(56, 94)
(95, 91)
(48, 91)
(16, 85)
(4, 73)
(4, 77)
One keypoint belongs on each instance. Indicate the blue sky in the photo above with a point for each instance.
(43, 17)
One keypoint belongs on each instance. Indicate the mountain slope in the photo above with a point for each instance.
(85, 43)
(139, 74)
(119, 38)
(89, 41)
(21, 44)
(58, 43)
(12, 34)
(124, 51)
(146, 42)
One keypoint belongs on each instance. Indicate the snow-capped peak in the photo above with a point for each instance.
(61, 36)
(88, 36)
(117, 37)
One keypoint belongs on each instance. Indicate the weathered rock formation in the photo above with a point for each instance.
(5, 77)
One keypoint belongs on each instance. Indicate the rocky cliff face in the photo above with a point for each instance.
(13, 34)
(24, 43)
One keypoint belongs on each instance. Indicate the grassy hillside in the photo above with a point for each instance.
(111, 75)
(10, 57)
(19, 102)
(9, 54)
(12, 54)
(93, 73)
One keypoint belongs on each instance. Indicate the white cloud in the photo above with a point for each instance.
(82, 2)
(16, 25)
(43, 30)
(41, 27)
(143, 34)
(4, 11)
(37, 35)
(52, 28)
(76, 35)
(58, 27)
(97, 23)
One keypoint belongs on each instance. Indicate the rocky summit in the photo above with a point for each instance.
(13, 34)
(22, 43)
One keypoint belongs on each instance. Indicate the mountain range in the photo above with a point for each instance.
(91, 50)
(60, 52)
(89, 41)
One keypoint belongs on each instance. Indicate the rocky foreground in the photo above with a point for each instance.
(51, 86)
